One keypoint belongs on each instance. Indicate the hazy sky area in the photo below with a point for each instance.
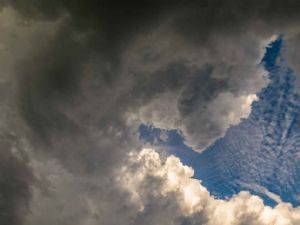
(149, 112)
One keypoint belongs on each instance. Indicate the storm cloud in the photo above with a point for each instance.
(79, 77)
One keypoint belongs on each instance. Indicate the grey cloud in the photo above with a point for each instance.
(85, 74)
(15, 181)
(50, 79)
(16, 177)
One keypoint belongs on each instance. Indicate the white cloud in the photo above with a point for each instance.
(260, 189)
(148, 177)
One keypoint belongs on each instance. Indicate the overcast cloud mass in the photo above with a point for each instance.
(79, 77)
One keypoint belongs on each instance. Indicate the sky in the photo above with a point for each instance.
(149, 112)
(256, 154)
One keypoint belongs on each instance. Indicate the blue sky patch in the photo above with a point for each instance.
(260, 154)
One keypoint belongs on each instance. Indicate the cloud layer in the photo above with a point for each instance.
(78, 78)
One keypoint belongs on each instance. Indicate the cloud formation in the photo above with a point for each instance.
(78, 78)
(153, 181)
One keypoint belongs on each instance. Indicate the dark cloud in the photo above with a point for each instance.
(85, 74)
(15, 181)
(111, 23)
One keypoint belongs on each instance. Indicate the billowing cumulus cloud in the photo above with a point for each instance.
(79, 77)
(153, 181)
(146, 189)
